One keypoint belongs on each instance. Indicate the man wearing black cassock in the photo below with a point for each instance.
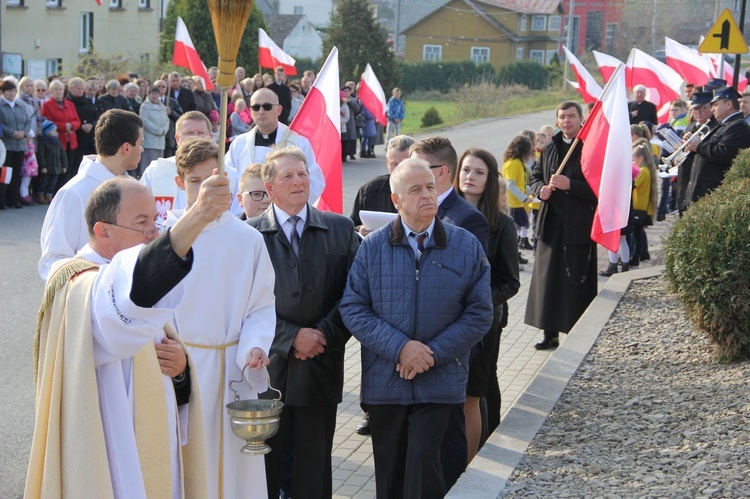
(564, 281)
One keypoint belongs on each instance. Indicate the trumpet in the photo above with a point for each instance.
(673, 161)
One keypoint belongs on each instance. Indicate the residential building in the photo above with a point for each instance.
(42, 37)
(295, 34)
(597, 25)
(493, 31)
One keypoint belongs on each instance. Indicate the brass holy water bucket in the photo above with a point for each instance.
(254, 421)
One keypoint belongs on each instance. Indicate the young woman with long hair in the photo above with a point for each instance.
(479, 182)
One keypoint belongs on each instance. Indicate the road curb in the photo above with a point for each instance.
(490, 471)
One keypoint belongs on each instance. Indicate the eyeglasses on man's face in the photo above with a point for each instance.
(148, 232)
(256, 195)
(266, 107)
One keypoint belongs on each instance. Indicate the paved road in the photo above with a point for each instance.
(21, 289)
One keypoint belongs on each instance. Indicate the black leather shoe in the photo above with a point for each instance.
(551, 340)
(364, 426)
(522, 260)
(547, 344)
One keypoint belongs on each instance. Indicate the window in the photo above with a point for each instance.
(432, 53)
(523, 22)
(144, 4)
(87, 32)
(15, 3)
(54, 4)
(298, 10)
(554, 23)
(737, 6)
(610, 38)
(550, 55)
(480, 55)
(115, 4)
(538, 23)
(536, 56)
(519, 53)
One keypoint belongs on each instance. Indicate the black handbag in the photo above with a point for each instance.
(641, 217)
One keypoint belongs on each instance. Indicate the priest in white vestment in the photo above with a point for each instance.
(104, 426)
(119, 140)
(227, 319)
(268, 134)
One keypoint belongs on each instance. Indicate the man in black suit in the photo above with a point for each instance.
(453, 209)
(280, 88)
(311, 252)
(641, 109)
(715, 153)
(183, 95)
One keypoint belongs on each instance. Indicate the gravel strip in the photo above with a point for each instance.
(648, 414)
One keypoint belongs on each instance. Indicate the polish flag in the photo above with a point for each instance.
(687, 62)
(98, 2)
(664, 84)
(715, 61)
(606, 160)
(186, 56)
(587, 85)
(271, 56)
(607, 64)
(318, 119)
(372, 96)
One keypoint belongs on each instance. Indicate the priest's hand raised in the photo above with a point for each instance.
(213, 201)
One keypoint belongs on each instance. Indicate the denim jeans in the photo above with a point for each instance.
(666, 190)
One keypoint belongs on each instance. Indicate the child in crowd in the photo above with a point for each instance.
(29, 170)
(252, 195)
(52, 162)
(514, 171)
(645, 196)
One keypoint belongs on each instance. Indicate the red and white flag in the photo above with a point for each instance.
(587, 85)
(318, 119)
(186, 56)
(372, 96)
(728, 75)
(687, 62)
(607, 64)
(271, 56)
(606, 160)
(664, 84)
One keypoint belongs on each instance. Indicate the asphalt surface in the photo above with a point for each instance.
(21, 288)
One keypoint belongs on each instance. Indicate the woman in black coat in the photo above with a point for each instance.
(479, 182)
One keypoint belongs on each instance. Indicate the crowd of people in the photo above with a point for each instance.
(137, 278)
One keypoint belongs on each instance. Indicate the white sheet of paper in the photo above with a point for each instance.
(375, 219)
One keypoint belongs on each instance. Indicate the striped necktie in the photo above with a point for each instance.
(420, 243)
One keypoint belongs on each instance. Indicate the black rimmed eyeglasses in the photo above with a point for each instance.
(256, 195)
(435, 166)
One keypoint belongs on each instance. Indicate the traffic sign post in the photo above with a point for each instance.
(725, 37)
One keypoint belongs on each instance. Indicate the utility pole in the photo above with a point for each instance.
(396, 36)
(568, 42)
(738, 57)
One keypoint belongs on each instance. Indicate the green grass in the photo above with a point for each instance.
(449, 111)
(460, 106)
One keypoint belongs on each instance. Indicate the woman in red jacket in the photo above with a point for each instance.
(63, 114)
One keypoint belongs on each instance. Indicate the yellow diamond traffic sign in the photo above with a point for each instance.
(724, 37)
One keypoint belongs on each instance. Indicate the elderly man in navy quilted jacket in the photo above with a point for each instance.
(417, 298)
